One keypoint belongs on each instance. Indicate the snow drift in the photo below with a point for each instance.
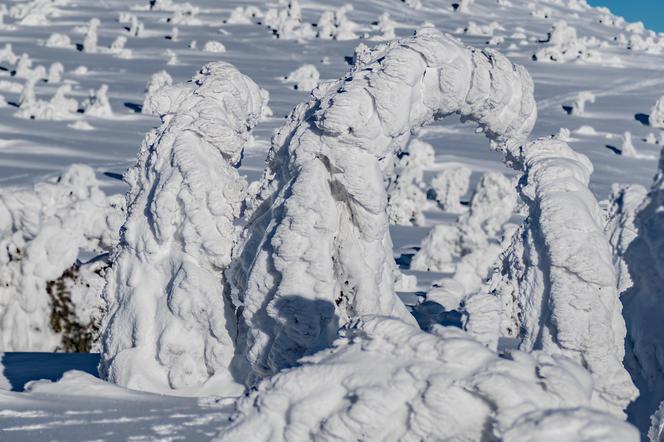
(170, 325)
(384, 379)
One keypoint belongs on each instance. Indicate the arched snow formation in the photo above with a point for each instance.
(317, 251)
(170, 325)
(555, 287)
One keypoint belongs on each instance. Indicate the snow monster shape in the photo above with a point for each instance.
(317, 251)
(170, 326)
(555, 288)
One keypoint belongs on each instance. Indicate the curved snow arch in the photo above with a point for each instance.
(317, 250)
(556, 286)
(170, 326)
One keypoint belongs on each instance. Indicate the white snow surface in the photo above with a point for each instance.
(384, 379)
(594, 53)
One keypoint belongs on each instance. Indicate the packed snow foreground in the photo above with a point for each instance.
(285, 289)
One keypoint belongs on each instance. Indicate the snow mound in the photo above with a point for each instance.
(384, 379)
(214, 47)
(317, 250)
(43, 231)
(555, 286)
(170, 326)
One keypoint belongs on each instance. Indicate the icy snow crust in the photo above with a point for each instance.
(170, 325)
(318, 251)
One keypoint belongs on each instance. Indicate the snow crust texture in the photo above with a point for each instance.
(317, 252)
(384, 379)
(43, 230)
(170, 324)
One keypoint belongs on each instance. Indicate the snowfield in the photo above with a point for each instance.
(343, 220)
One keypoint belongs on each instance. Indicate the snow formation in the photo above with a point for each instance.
(317, 250)
(170, 326)
(555, 287)
(385, 379)
(43, 231)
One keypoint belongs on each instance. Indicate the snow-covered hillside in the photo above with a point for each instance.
(373, 220)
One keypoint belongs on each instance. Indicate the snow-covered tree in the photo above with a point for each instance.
(42, 232)
(317, 250)
(555, 285)
(171, 323)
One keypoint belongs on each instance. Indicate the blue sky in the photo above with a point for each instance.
(650, 12)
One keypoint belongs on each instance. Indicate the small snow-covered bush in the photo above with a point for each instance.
(56, 40)
(157, 81)
(97, 104)
(406, 195)
(579, 106)
(657, 114)
(304, 78)
(449, 186)
(286, 23)
(335, 25)
(385, 379)
(243, 15)
(90, 41)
